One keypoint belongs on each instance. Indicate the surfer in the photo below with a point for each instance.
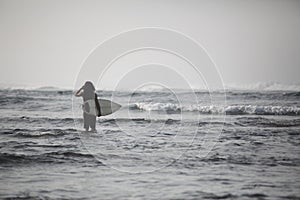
(88, 92)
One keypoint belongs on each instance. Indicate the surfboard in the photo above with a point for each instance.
(107, 107)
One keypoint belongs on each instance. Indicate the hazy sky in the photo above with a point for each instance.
(45, 42)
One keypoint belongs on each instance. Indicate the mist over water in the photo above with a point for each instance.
(160, 144)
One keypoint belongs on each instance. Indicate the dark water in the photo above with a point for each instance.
(158, 146)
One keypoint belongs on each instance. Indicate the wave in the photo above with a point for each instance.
(35, 133)
(51, 157)
(39, 120)
(140, 120)
(215, 109)
(267, 122)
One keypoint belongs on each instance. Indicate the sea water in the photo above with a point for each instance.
(159, 145)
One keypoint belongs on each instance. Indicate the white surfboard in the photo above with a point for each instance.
(107, 107)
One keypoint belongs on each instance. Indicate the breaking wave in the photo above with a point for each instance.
(215, 109)
(265, 86)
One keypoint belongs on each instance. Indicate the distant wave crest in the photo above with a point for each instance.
(266, 86)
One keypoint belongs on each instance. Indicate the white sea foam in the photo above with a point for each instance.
(215, 109)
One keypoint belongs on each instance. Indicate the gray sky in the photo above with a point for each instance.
(44, 43)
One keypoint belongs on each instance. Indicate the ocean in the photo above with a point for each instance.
(238, 144)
